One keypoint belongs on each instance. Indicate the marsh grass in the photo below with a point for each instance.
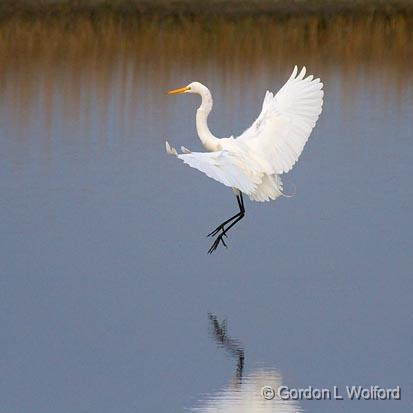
(337, 39)
(53, 54)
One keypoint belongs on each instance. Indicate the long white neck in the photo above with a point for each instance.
(209, 141)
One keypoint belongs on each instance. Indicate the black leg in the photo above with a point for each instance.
(237, 217)
(220, 227)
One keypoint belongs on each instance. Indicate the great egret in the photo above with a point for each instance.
(253, 162)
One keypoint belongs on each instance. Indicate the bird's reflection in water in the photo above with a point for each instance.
(244, 393)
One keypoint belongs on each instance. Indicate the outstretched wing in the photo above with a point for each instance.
(278, 135)
(222, 166)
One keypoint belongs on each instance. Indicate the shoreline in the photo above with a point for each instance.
(212, 8)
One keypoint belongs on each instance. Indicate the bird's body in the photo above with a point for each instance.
(253, 162)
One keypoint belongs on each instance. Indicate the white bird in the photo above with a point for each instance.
(253, 162)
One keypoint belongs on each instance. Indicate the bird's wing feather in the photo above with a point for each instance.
(222, 166)
(286, 120)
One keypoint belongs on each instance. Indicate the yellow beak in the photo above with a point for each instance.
(180, 90)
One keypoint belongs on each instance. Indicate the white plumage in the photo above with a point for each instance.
(253, 162)
(271, 146)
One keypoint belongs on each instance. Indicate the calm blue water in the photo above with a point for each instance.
(105, 282)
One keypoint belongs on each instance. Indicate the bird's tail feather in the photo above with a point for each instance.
(271, 187)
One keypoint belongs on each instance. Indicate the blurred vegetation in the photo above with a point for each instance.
(66, 41)
(337, 37)
(281, 8)
(329, 31)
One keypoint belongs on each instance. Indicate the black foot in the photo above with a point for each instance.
(216, 230)
(215, 244)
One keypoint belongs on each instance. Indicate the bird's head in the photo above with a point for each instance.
(194, 87)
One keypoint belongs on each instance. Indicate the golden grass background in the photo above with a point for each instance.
(52, 54)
